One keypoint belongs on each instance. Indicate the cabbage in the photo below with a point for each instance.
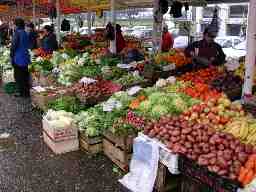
(159, 110)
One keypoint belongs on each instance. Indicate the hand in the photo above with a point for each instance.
(212, 59)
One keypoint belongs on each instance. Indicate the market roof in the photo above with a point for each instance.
(13, 8)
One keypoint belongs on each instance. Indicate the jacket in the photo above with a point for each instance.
(167, 42)
(20, 48)
(32, 40)
(49, 43)
(207, 51)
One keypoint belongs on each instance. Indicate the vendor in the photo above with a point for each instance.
(206, 52)
(49, 41)
(32, 34)
(120, 41)
(167, 40)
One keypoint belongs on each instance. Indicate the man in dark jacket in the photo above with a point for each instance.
(20, 58)
(206, 52)
(49, 41)
(32, 35)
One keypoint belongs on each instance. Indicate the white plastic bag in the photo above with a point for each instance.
(143, 167)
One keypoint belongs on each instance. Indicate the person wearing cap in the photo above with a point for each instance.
(20, 58)
(207, 52)
(167, 40)
(32, 34)
(120, 41)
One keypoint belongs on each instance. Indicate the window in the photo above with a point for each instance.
(208, 12)
(238, 11)
(233, 29)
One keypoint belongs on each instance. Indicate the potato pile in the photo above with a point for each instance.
(221, 153)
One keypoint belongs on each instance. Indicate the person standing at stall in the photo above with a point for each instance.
(167, 40)
(207, 52)
(32, 34)
(49, 41)
(120, 41)
(20, 58)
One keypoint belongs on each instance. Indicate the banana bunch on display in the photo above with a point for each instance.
(244, 129)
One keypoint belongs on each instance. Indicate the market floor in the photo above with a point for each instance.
(27, 164)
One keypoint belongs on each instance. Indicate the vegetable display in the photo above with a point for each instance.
(66, 103)
(95, 92)
(129, 80)
(159, 103)
(247, 172)
(220, 152)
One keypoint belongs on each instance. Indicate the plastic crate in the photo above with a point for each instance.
(204, 178)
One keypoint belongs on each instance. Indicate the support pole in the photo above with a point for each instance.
(157, 27)
(113, 21)
(251, 51)
(34, 12)
(89, 22)
(58, 20)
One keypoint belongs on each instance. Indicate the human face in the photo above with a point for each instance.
(209, 37)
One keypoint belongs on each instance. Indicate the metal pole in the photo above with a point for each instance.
(34, 12)
(89, 22)
(58, 19)
(251, 50)
(113, 21)
(157, 27)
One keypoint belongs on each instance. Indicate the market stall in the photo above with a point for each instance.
(185, 120)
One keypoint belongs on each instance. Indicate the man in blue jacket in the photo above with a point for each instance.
(20, 58)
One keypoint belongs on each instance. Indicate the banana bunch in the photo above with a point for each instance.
(244, 129)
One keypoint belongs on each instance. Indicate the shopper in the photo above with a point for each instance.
(206, 52)
(32, 34)
(167, 39)
(20, 58)
(120, 41)
(49, 41)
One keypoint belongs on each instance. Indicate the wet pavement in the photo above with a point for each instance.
(28, 165)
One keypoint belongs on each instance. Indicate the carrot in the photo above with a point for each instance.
(242, 173)
(248, 178)
(250, 163)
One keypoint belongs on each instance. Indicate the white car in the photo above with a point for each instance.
(180, 42)
(236, 51)
(228, 41)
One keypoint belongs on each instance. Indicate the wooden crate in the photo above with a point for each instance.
(91, 145)
(40, 100)
(123, 142)
(165, 182)
(117, 155)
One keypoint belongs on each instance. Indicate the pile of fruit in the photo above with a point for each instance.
(243, 128)
(201, 91)
(97, 91)
(42, 53)
(221, 153)
(201, 76)
(215, 113)
(227, 82)
(172, 57)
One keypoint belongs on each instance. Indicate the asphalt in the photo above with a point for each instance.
(28, 165)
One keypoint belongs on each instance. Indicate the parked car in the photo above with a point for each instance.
(236, 51)
(180, 42)
(143, 34)
(228, 41)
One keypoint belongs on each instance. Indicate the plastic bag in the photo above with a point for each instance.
(143, 167)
